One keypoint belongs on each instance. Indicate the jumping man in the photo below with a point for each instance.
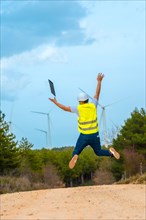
(87, 124)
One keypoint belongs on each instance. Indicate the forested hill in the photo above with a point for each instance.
(23, 168)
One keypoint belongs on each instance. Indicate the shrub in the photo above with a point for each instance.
(9, 184)
(103, 177)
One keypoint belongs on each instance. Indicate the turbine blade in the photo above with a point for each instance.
(114, 102)
(39, 112)
(100, 105)
(41, 130)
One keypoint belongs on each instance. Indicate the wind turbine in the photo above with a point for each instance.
(11, 124)
(49, 129)
(103, 122)
(11, 116)
(45, 135)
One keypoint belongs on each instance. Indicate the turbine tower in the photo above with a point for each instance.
(11, 117)
(103, 122)
(45, 132)
(49, 129)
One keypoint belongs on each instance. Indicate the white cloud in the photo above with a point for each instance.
(40, 54)
(13, 76)
(50, 54)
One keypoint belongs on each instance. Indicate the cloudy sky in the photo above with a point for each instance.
(69, 42)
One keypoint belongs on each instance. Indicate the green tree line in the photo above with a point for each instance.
(24, 168)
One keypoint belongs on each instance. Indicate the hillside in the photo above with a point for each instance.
(81, 203)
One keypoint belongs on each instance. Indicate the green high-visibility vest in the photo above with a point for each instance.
(87, 120)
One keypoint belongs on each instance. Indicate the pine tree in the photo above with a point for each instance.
(133, 133)
(9, 155)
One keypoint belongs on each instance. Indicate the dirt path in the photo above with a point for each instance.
(112, 202)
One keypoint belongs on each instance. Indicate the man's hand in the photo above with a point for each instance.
(63, 107)
(53, 100)
(100, 77)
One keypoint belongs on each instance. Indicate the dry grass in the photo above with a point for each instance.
(137, 179)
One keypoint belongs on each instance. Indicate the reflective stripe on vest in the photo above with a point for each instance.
(87, 120)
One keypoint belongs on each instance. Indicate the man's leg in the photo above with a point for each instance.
(80, 145)
(95, 144)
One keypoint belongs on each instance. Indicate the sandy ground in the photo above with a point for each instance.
(108, 202)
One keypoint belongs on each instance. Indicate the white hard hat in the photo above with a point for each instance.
(82, 97)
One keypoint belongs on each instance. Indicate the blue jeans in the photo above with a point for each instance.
(94, 141)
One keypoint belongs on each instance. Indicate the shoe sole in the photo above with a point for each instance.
(115, 153)
(73, 161)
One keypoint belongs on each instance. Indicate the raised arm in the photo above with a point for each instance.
(63, 107)
(98, 88)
